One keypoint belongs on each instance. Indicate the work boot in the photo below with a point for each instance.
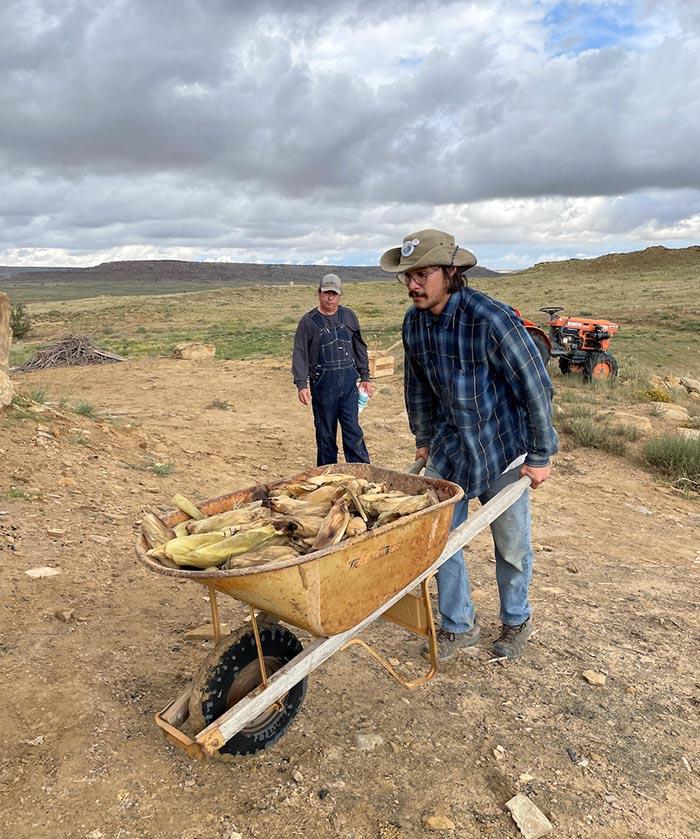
(511, 642)
(450, 643)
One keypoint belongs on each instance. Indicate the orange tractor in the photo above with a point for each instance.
(580, 344)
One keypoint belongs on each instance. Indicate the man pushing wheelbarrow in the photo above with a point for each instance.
(479, 403)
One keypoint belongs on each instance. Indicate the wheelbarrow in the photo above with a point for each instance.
(251, 686)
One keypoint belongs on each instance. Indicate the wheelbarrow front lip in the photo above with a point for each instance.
(175, 516)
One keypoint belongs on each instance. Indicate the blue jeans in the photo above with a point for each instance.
(334, 400)
(512, 538)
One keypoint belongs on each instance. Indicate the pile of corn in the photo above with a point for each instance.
(297, 519)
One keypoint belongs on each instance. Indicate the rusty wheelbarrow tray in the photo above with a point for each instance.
(333, 593)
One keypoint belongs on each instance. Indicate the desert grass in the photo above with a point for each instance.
(676, 457)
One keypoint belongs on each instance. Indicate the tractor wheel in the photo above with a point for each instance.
(542, 347)
(232, 671)
(568, 368)
(601, 366)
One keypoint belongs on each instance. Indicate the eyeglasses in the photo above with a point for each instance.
(419, 276)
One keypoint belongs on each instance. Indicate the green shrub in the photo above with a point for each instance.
(593, 433)
(676, 457)
(20, 322)
(628, 431)
(654, 394)
(162, 469)
(85, 409)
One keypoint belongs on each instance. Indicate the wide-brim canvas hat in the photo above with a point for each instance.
(426, 247)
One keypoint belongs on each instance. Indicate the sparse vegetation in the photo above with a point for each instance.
(20, 322)
(677, 458)
(85, 409)
(162, 469)
(39, 394)
(654, 394)
(219, 404)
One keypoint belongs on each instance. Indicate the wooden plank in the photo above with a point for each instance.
(321, 649)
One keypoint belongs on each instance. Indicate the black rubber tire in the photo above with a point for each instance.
(601, 358)
(542, 347)
(564, 366)
(215, 682)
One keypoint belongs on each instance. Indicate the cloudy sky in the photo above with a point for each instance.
(308, 131)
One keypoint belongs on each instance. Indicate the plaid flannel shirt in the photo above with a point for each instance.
(477, 392)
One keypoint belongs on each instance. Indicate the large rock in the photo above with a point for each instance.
(642, 424)
(5, 332)
(6, 389)
(691, 385)
(194, 350)
(674, 413)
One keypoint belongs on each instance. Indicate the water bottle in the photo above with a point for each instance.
(362, 400)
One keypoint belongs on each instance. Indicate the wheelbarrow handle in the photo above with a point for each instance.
(416, 466)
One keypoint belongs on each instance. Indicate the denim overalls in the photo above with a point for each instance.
(333, 384)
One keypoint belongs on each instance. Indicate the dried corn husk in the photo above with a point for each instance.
(181, 528)
(295, 490)
(326, 494)
(333, 528)
(392, 502)
(305, 525)
(294, 506)
(261, 556)
(329, 478)
(155, 531)
(356, 525)
(231, 518)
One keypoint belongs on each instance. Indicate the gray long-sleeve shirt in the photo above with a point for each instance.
(307, 342)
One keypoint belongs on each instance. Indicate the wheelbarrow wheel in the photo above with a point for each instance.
(232, 671)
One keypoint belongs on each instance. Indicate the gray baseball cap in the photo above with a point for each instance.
(331, 282)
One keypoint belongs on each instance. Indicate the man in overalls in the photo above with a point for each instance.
(329, 357)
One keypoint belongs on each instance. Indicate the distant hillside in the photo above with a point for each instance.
(169, 271)
(649, 260)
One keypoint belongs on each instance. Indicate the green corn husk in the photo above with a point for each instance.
(242, 542)
(182, 546)
(187, 506)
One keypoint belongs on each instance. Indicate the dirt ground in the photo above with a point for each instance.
(89, 655)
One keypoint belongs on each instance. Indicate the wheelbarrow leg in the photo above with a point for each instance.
(416, 615)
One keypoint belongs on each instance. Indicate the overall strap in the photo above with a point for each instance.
(318, 319)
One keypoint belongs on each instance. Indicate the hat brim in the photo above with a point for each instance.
(393, 262)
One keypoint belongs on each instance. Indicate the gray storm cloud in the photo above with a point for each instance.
(136, 122)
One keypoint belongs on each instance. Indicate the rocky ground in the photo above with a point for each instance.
(91, 653)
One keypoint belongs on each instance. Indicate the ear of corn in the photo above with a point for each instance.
(154, 530)
(261, 556)
(306, 525)
(333, 528)
(356, 525)
(240, 543)
(295, 490)
(180, 547)
(231, 518)
(328, 478)
(300, 517)
(326, 494)
(187, 506)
